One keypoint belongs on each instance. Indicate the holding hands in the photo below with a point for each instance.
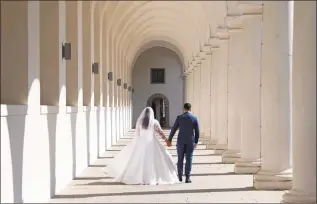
(168, 143)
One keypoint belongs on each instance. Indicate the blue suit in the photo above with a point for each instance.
(188, 136)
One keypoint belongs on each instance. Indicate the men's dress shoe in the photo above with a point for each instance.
(180, 178)
(188, 180)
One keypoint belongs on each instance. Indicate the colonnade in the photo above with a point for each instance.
(59, 111)
(252, 86)
(260, 96)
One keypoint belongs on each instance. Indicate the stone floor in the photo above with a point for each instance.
(213, 182)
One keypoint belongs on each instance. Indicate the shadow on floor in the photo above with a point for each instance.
(203, 155)
(114, 150)
(101, 183)
(105, 157)
(218, 174)
(155, 192)
(97, 165)
(206, 163)
(91, 178)
(119, 145)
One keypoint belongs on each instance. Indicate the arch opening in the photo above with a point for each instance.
(160, 105)
(157, 73)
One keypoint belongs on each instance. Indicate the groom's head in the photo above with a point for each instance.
(187, 107)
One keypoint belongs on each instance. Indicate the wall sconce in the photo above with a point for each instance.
(110, 76)
(125, 85)
(67, 51)
(129, 88)
(95, 68)
(132, 90)
(119, 82)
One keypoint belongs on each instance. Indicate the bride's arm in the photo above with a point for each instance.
(159, 130)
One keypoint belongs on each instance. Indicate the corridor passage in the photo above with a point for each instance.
(213, 182)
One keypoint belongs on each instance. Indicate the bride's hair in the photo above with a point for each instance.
(146, 119)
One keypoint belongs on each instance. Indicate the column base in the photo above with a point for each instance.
(247, 166)
(208, 141)
(273, 181)
(204, 140)
(218, 148)
(230, 156)
(296, 196)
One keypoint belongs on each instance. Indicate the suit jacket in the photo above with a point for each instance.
(188, 129)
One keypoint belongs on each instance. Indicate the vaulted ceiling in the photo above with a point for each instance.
(183, 26)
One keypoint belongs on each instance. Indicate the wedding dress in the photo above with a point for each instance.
(144, 160)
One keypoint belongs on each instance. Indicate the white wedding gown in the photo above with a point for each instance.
(144, 160)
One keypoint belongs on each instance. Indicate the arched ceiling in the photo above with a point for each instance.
(158, 41)
(182, 26)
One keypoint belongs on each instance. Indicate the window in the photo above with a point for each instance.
(157, 76)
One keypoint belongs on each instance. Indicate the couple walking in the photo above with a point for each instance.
(146, 161)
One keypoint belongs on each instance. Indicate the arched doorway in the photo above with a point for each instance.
(160, 106)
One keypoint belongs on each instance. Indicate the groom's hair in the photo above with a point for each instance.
(187, 106)
(146, 119)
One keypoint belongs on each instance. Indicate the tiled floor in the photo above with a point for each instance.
(213, 182)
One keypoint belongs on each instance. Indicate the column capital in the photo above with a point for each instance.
(183, 76)
(233, 21)
(249, 7)
(222, 31)
(187, 72)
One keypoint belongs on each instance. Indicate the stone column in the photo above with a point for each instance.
(186, 87)
(191, 87)
(120, 57)
(29, 150)
(125, 97)
(204, 120)
(275, 97)
(203, 98)
(196, 93)
(250, 90)
(213, 69)
(304, 104)
(221, 55)
(236, 57)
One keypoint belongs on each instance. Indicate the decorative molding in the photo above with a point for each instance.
(250, 6)
(215, 48)
(224, 38)
(252, 15)
(213, 40)
(234, 21)
(201, 54)
(233, 30)
(222, 31)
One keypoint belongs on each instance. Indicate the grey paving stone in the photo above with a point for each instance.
(213, 182)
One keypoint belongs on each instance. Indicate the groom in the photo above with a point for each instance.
(186, 141)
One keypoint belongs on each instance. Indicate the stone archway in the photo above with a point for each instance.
(166, 106)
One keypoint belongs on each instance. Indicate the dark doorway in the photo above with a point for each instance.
(159, 112)
(160, 106)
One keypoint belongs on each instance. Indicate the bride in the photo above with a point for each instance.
(145, 160)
